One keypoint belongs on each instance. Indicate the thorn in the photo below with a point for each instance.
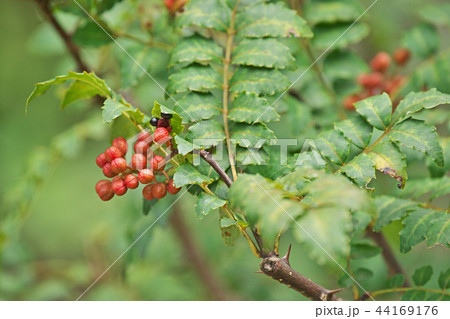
(288, 254)
(330, 293)
(365, 296)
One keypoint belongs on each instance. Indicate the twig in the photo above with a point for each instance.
(71, 47)
(388, 255)
(195, 256)
(228, 49)
(279, 269)
(208, 158)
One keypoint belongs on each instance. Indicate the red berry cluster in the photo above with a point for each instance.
(144, 166)
(380, 79)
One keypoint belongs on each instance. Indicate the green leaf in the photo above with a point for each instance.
(206, 204)
(78, 91)
(419, 136)
(198, 106)
(259, 81)
(251, 156)
(209, 130)
(439, 231)
(416, 227)
(437, 186)
(91, 35)
(364, 249)
(113, 109)
(396, 281)
(271, 20)
(390, 209)
(422, 40)
(376, 110)
(389, 160)
(251, 109)
(414, 102)
(147, 205)
(338, 35)
(263, 205)
(230, 231)
(414, 295)
(265, 52)
(444, 279)
(175, 121)
(422, 275)
(195, 49)
(333, 146)
(184, 147)
(331, 12)
(210, 14)
(341, 64)
(360, 169)
(194, 78)
(186, 174)
(227, 222)
(250, 135)
(436, 13)
(88, 78)
(329, 227)
(356, 130)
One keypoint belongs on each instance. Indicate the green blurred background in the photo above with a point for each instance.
(70, 237)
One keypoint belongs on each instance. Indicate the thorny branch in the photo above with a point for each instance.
(278, 268)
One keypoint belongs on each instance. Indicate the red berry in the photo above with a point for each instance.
(119, 187)
(107, 170)
(157, 163)
(112, 153)
(131, 181)
(145, 136)
(401, 56)
(349, 101)
(119, 165)
(159, 190)
(104, 190)
(163, 123)
(171, 188)
(394, 83)
(371, 80)
(117, 178)
(380, 62)
(161, 135)
(141, 147)
(145, 176)
(121, 144)
(101, 160)
(139, 161)
(147, 192)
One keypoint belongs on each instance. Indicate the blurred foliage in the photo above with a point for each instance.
(56, 237)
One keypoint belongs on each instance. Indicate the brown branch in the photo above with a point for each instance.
(280, 270)
(388, 255)
(208, 158)
(73, 49)
(193, 253)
